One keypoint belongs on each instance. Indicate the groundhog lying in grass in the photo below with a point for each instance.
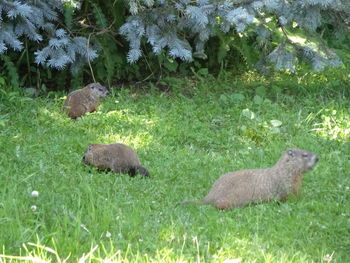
(240, 188)
(81, 101)
(116, 157)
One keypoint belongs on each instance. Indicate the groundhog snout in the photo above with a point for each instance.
(312, 162)
(85, 159)
(105, 93)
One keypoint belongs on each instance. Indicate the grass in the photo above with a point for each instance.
(187, 137)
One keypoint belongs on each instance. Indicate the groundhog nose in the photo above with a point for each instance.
(316, 159)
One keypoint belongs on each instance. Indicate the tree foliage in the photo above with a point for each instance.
(123, 40)
(285, 31)
(38, 21)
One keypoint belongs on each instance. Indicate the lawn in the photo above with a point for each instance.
(187, 134)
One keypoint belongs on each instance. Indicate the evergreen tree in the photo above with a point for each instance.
(285, 32)
(175, 25)
(38, 20)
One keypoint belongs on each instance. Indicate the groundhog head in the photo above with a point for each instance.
(302, 160)
(89, 157)
(97, 90)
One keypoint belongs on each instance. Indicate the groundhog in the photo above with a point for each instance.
(116, 157)
(84, 100)
(240, 188)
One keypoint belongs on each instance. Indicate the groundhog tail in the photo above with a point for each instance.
(139, 170)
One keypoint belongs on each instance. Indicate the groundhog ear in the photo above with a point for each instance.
(290, 153)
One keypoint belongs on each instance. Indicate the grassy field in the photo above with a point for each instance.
(187, 135)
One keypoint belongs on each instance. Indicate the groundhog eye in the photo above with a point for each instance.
(305, 155)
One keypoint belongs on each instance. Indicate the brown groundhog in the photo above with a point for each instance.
(116, 157)
(84, 100)
(243, 187)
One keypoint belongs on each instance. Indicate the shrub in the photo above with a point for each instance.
(164, 36)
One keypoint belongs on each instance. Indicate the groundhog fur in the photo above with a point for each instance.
(116, 157)
(84, 100)
(240, 188)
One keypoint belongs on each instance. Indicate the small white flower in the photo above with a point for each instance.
(33, 207)
(328, 257)
(108, 235)
(35, 194)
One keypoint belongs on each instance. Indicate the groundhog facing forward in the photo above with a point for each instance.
(116, 157)
(84, 100)
(240, 188)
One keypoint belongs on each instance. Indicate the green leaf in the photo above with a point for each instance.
(238, 96)
(276, 123)
(261, 91)
(200, 55)
(258, 100)
(223, 98)
(248, 114)
(2, 81)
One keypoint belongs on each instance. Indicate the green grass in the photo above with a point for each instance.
(187, 137)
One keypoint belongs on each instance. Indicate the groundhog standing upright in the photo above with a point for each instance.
(237, 189)
(116, 157)
(84, 100)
